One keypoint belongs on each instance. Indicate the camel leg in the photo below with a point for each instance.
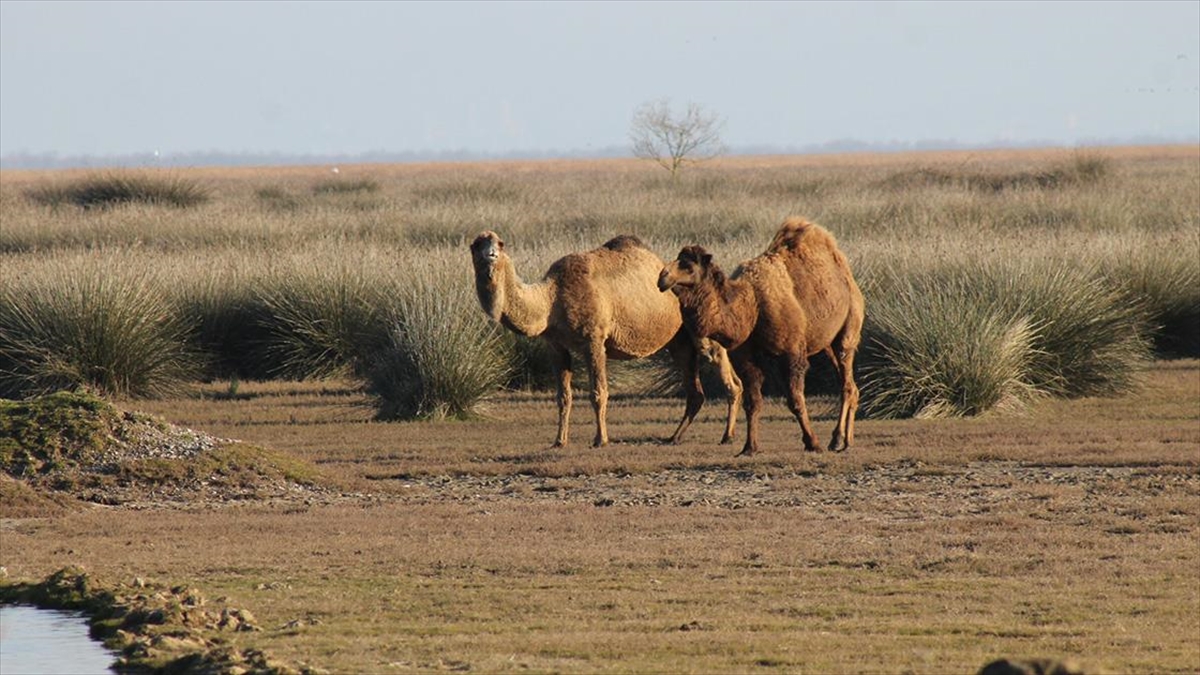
(687, 359)
(598, 368)
(843, 434)
(752, 380)
(846, 344)
(562, 364)
(733, 388)
(797, 366)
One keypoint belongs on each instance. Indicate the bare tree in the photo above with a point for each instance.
(673, 142)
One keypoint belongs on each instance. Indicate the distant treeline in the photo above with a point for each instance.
(51, 160)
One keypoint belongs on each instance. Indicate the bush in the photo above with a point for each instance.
(444, 358)
(1092, 340)
(230, 324)
(113, 189)
(321, 322)
(954, 340)
(93, 328)
(935, 351)
(1166, 282)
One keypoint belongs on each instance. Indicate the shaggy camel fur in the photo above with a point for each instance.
(603, 304)
(795, 300)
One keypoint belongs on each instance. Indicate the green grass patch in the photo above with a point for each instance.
(80, 443)
(52, 432)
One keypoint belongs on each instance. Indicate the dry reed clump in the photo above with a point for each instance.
(960, 339)
(1166, 282)
(934, 351)
(92, 324)
(322, 320)
(341, 186)
(442, 358)
(279, 199)
(112, 189)
(468, 190)
(1083, 168)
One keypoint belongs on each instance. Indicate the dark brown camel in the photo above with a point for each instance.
(796, 299)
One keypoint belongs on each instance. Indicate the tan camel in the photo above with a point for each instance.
(795, 300)
(603, 304)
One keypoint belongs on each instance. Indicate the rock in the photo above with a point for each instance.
(237, 620)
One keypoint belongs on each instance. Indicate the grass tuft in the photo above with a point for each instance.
(321, 322)
(1084, 168)
(278, 199)
(339, 186)
(94, 328)
(964, 340)
(934, 351)
(472, 191)
(443, 360)
(114, 189)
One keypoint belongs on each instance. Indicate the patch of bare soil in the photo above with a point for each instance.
(974, 488)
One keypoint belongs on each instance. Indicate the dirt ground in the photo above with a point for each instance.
(932, 547)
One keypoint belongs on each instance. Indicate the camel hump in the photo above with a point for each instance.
(623, 242)
(791, 233)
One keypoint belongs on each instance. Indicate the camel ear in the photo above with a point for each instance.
(706, 259)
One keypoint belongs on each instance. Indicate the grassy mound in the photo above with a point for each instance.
(80, 444)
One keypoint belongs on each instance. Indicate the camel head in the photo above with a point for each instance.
(486, 250)
(693, 266)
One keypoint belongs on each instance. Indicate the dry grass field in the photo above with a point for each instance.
(934, 547)
(1066, 527)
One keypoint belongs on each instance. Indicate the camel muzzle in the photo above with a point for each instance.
(664, 284)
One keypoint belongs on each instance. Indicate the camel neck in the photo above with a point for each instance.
(720, 312)
(521, 307)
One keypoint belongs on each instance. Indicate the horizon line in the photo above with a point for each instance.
(217, 158)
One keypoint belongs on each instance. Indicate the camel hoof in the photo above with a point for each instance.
(745, 453)
(728, 440)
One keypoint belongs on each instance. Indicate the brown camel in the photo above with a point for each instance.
(603, 304)
(795, 300)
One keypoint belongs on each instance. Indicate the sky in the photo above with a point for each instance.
(101, 78)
